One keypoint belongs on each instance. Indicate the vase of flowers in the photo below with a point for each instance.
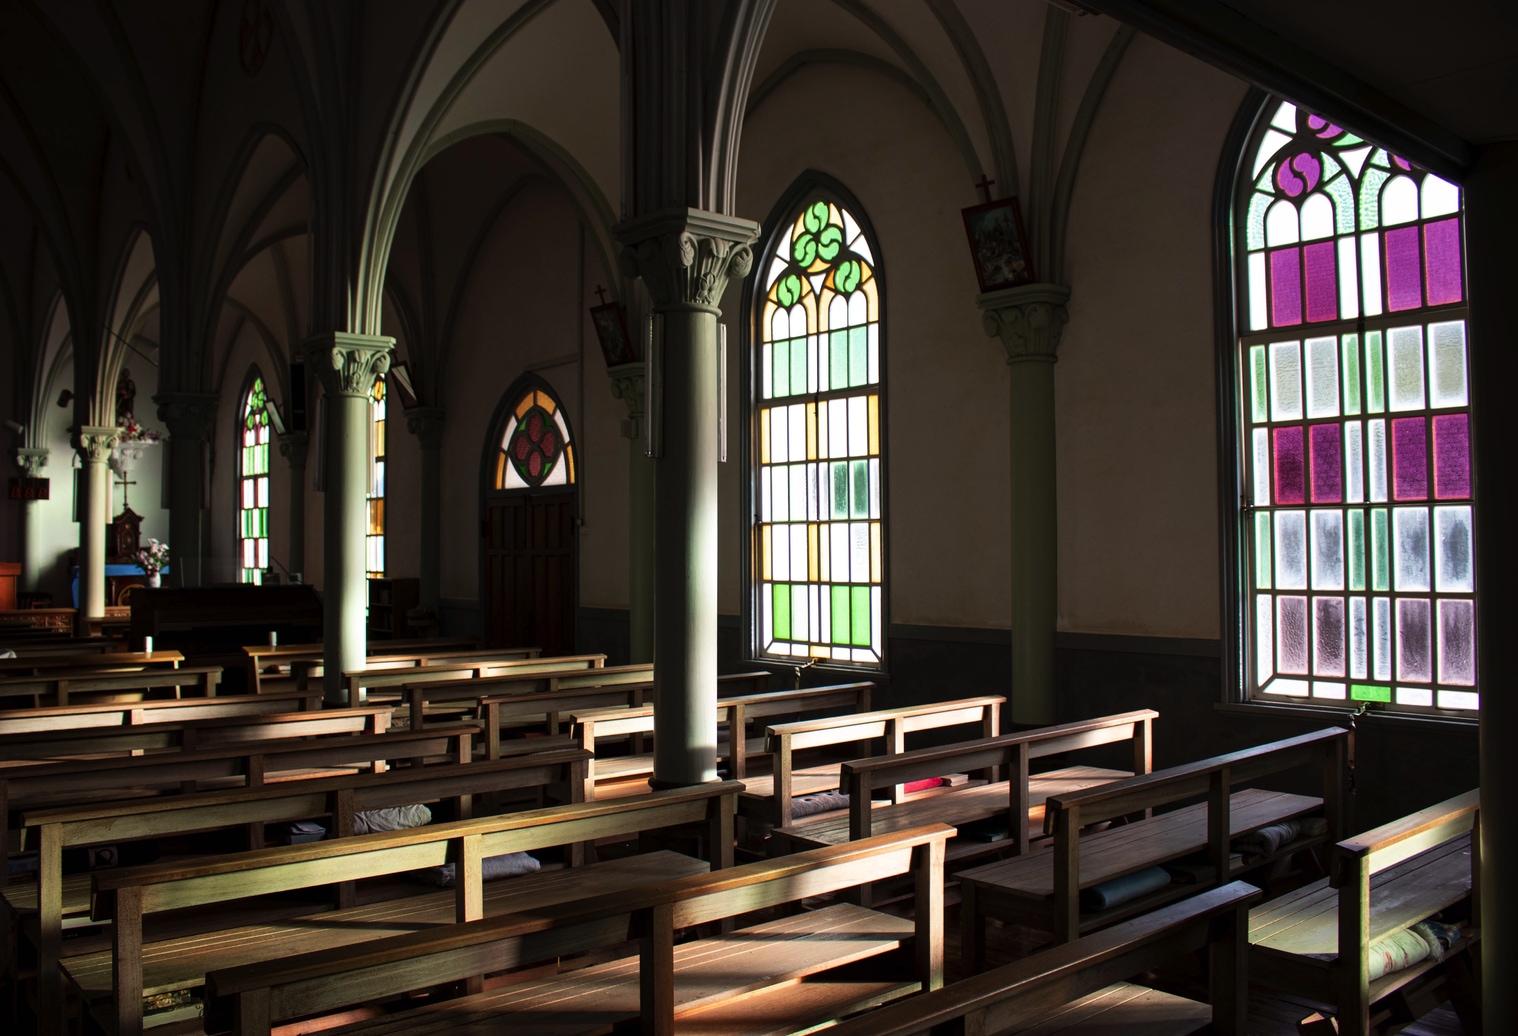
(153, 559)
(132, 441)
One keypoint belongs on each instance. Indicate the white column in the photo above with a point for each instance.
(31, 460)
(94, 444)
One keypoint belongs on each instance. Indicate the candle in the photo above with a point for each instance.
(147, 645)
(273, 639)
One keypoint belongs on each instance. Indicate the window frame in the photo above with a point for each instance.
(380, 382)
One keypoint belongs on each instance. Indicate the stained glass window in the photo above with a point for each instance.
(536, 449)
(1354, 400)
(253, 486)
(374, 542)
(819, 547)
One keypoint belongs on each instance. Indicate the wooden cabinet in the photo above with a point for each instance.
(389, 601)
(10, 571)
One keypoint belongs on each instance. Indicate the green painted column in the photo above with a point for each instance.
(94, 445)
(294, 447)
(1029, 320)
(627, 384)
(189, 416)
(347, 365)
(426, 423)
(685, 257)
(31, 460)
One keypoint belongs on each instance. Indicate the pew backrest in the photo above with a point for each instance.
(57, 685)
(401, 675)
(139, 713)
(540, 677)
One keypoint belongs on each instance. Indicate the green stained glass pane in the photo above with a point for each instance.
(1380, 550)
(1344, 205)
(1262, 550)
(861, 609)
(782, 599)
(1370, 197)
(781, 376)
(859, 368)
(1375, 376)
(1259, 387)
(838, 353)
(840, 614)
(1369, 692)
(1254, 222)
(1357, 550)
(1351, 353)
(860, 497)
(840, 490)
(798, 366)
(1379, 158)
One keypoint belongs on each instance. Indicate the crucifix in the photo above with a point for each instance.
(985, 187)
(123, 484)
(601, 294)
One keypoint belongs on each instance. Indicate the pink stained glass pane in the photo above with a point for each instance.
(1322, 281)
(1409, 459)
(1285, 287)
(1291, 635)
(1328, 636)
(1404, 273)
(1414, 640)
(1452, 457)
(1327, 457)
(1441, 258)
(1291, 483)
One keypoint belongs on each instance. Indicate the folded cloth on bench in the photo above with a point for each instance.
(391, 818)
(818, 802)
(1404, 949)
(1267, 839)
(507, 865)
(1118, 891)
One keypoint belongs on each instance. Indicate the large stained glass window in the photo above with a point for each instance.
(536, 449)
(374, 542)
(819, 546)
(1355, 453)
(253, 486)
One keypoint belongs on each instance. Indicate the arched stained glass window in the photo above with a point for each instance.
(819, 541)
(536, 449)
(374, 543)
(253, 486)
(1355, 448)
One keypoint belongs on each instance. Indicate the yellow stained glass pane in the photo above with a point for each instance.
(546, 403)
(569, 455)
(376, 516)
(874, 426)
(812, 559)
(379, 439)
(525, 405)
(764, 436)
(875, 566)
(500, 470)
(871, 295)
(811, 431)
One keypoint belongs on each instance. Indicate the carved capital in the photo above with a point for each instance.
(426, 423)
(293, 447)
(627, 385)
(686, 256)
(95, 443)
(1028, 319)
(347, 364)
(31, 460)
(189, 415)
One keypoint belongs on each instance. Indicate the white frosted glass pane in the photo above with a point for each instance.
(1354, 462)
(800, 494)
(859, 554)
(838, 550)
(780, 553)
(1399, 201)
(777, 267)
(1359, 644)
(766, 370)
(859, 427)
(1446, 363)
(812, 354)
(796, 434)
(1370, 272)
(1269, 143)
(1459, 700)
(859, 309)
(1414, 640)
(875, 489)
(1259, 302)
(1414, 696)
(558, 419)
(1295, 688)
(1285, 118)
(1328, 690)
(1376, 469)
(779, 436)
(1440, 197)
(1405, 363)
(874, 357)
(1452, 551)
(1349, 280)
(1380, 642)
(838, 313)
(798, 556)
(1322, 377)
(766, 495)
(1317, 218)
(1285, 381)
(1291, 634)
(1410, 538)
(1262, 467)
(1328, 636)
(1291, 550)
(1328, 550)
(1264, 641)
(1355, 159)
(838, 428)
(1281, 224)
(1457, 642)
(780, 325)
(816, 493)
(780, 482)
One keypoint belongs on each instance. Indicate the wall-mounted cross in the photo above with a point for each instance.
(123, 484)
(601, 294)
(985, 187)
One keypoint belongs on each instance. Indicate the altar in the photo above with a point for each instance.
(121, 577)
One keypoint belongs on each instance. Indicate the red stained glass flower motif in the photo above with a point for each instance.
(535, 447)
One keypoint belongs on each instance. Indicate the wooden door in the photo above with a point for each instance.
(530, 571)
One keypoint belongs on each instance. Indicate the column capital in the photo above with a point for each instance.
(94, 443)
(628, 386)
(426, 423)
(1028, 319)
(31, 460)
(188, 414)
(293, 447)
(347, 364)
(686, 256)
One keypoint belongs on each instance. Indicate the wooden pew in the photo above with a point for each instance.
(58, 685)
(1381, 882)
(113, 983)
(30, 664)
(394, 678)
(1042, 888)
(305, 660)
(53, 899)
(1083, 986)
(138, 713)
(773, 977)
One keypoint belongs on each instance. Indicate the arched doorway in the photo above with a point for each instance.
(530, 505)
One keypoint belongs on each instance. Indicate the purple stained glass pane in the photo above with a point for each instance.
(1452, 456)
(1291, 482)
(1327, 464)
(1291, 635)
(1441, 256)
(1328, 636)
(1409, 459)
(1286, 287)
(1322, 281)
(1404, 274)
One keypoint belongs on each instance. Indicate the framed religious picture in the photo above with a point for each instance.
(611, 329)
(999, 244)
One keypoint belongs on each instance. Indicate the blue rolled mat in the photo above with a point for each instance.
(1120, 890)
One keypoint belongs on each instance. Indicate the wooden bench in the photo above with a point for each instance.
(1042, 888)
(395, 678)
(313, 668)
(1082, 987)
(56, 901)
(1381, 882)
(263, 657)
(31, 664)
(112, 983)
(57, 685)
(139, 713)
(776, 977)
